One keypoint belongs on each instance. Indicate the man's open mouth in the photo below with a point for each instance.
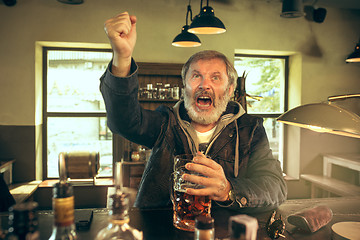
(204, 101)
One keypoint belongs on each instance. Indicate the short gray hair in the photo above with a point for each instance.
(208, 55)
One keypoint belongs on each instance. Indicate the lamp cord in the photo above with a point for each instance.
(187, 13)
(207, 4)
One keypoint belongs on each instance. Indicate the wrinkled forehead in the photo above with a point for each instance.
(208, 66)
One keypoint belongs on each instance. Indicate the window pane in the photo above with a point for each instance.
(73, 80)
(274, 133)
(265, 80)
(79, 134)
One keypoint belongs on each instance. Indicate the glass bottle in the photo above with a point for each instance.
(23, 223)
(118, 226)
(63, 206)
(204, 228)
(176, 92)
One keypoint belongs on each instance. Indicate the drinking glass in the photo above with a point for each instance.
(186, 207)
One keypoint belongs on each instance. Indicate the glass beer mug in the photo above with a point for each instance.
(186, 207)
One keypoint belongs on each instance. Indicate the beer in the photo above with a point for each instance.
(187, 207)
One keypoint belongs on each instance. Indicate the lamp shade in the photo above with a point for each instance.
(323, 117)
(355, 56)
(292, 9)
(186, 39)
(206, 23)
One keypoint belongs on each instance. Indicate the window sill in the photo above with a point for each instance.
(103, 182)
(290, 178)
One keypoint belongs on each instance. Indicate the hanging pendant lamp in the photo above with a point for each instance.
(325, 117)
(355, 56)
(185, 38)
(206, 22)
(292, 9)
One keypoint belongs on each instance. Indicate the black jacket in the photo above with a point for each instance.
(239, 145)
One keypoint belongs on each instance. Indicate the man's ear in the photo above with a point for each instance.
(231, 90)
(183, 82)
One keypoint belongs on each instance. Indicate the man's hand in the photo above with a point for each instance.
(216, 185)
(121, 31)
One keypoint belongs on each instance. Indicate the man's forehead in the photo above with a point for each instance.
(217, 65)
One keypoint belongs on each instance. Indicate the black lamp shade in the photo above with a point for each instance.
(292, 9)
(9, 3)
(355, 56)
(186, 39)
(207, 23)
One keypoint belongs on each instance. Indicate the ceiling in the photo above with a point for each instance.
(345, 4)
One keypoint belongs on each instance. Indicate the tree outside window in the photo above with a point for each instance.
(266, 78)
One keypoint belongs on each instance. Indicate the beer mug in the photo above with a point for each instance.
(186, 207)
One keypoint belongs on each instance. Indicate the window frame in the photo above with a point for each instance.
(286, 96)
(47, 114)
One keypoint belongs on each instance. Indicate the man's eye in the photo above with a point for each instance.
(216, 78)
(196, 75)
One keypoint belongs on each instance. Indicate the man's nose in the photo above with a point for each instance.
(205, 83)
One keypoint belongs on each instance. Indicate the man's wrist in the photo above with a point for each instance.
(230, 193)
(231, 196)
(121, 68)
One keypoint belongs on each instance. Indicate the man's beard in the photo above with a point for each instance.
(206, 117)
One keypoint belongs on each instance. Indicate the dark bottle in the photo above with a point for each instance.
(63, 207)
(23, 223)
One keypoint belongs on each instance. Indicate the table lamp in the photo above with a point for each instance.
(325, 117)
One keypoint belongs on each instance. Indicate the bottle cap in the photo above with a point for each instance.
(204, 222)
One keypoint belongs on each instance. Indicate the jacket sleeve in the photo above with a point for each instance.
(263, 186)
(125, 116)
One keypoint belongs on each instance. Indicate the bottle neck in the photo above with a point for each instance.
(120, 208)
(204, 234)
(63, 211)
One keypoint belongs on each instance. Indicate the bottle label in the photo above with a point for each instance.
(120, 221)
(63, 211)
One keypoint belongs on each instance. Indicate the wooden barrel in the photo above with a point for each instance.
(81, 165)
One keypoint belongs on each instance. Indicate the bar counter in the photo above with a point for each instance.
(157, 223)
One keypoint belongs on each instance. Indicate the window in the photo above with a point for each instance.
(74, 111)
(266, 83)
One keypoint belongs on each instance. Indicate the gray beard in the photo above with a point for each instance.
(205, 117)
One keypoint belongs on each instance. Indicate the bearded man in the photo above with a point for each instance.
(231, 148)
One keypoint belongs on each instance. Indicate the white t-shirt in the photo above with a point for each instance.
(205, 136)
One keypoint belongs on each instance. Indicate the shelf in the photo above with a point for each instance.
(332, 185)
